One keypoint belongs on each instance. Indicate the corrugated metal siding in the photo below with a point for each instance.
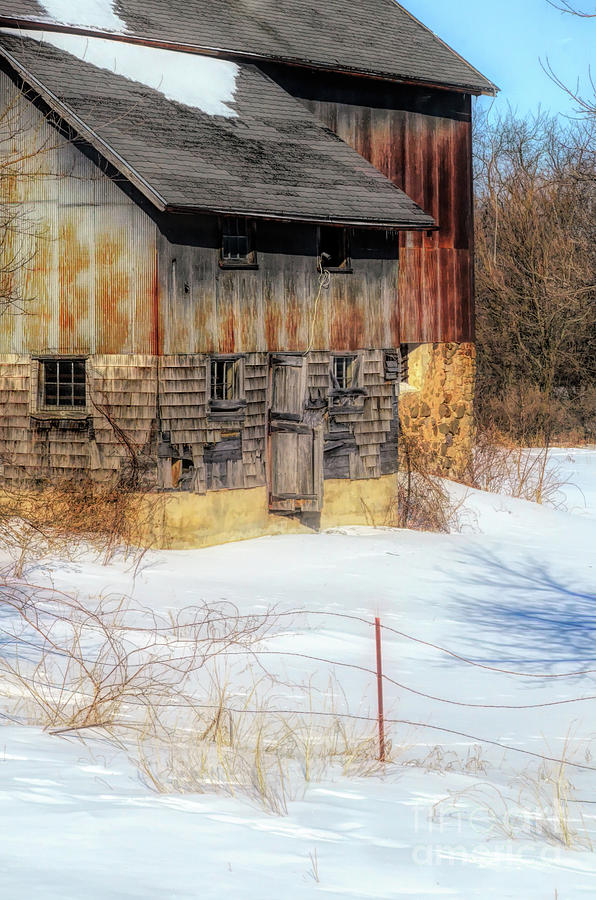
(90, 281)
(427, 157)
(421, 140)
(209, 309)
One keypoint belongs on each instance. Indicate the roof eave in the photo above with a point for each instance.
(88, 135)
(486, 87)
(427, 224)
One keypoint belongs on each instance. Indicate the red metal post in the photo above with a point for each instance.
(380, 692)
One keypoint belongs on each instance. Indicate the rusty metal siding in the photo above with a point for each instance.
(90, 281)
(427, 156)
(419, 138)
(205, 308)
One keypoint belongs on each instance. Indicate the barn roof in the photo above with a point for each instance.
(371, 37)
(195, 132)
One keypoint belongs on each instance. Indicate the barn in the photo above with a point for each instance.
(238, 244)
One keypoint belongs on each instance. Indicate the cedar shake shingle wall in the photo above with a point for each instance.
(123, 397)
(35, 445)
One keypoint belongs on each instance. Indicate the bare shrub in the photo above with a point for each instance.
(500, 466)
(71, 666)
(60, 516)
(423, 502)
(114, 512)
(75, 666)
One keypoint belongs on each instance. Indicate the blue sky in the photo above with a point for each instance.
(506, 39)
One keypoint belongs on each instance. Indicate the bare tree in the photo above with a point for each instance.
(536, 271)
(567, 7)
(585, 103)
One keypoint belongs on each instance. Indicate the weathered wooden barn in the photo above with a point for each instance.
(240, 243)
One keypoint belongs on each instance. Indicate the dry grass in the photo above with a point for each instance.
(444, 761)
(70, 666)
(239, 744)
(502, 467)
(538, 803)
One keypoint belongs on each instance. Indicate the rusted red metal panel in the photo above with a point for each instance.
(423, 144)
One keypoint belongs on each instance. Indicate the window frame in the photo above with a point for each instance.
(230, 408)
(345, 267)
(244, 262)
(58, 408)
(227, 361)
(353, 376)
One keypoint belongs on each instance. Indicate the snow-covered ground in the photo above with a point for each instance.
(450, 816)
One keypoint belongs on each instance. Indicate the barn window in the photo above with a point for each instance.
(237, 243)
(334, 249)
(226, 388)
(63, 383)
(224, 379)
(343, 372)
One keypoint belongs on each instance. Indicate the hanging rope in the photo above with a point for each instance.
(324, 282)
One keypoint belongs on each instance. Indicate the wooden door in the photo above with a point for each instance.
(295, 448)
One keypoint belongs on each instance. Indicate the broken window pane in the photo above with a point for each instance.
(343, 371)
(224, 379)
(334, 250)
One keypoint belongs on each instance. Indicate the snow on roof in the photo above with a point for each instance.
(86, 13)
(202, 82)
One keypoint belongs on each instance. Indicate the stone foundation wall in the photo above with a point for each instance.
(437, 404)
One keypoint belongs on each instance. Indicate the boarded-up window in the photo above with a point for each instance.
(396, 364)
(288, 387)
(223, 463)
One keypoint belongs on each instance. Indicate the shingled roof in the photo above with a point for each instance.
(372, 37)
(215, 136)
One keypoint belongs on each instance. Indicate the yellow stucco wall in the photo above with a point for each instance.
(189, 521)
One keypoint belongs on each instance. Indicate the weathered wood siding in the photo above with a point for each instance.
(421, 139)
(84, 252)
(124, 392)
(209, 309)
